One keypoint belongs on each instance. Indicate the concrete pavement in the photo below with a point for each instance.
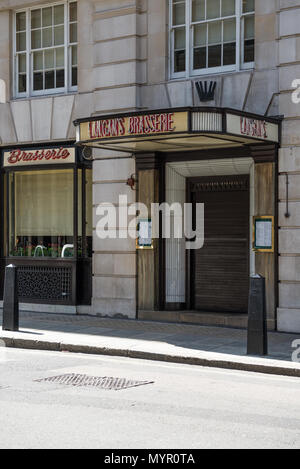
(179, 343)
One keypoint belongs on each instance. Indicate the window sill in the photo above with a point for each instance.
(212, 73)
(45, 96)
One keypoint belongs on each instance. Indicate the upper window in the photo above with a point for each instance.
(45, 49)
(208, 36)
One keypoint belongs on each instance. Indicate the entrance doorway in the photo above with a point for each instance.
(220, 270)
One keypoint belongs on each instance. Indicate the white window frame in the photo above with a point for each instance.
(189, 71)
(68, 88)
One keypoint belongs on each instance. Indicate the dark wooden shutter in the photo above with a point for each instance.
(221, 267)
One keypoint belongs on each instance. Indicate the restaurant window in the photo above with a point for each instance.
(45, 49)
(210, 36)
(41, 222)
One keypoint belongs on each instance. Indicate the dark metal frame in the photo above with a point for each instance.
(80, 267)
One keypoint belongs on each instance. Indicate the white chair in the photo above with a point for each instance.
(66, 246)
(39, 246)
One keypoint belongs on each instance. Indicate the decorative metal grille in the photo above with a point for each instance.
(44, 283)
(109, 383)
(221, 186)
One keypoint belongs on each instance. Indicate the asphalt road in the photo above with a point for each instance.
(186, 407)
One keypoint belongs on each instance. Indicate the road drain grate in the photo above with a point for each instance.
(74, 379)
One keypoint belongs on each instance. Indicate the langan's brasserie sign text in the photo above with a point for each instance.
(19, 157)
(143, 125)
(251, 127)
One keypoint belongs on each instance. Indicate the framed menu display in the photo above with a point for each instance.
(144, 239)
(263, 234)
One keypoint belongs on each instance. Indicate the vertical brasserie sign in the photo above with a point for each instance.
(139, 125)
(43, 156)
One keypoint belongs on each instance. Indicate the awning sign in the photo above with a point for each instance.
(44, 156)
(136, 125)
(253, 128)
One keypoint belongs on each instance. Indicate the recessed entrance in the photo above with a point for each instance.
(220, 270)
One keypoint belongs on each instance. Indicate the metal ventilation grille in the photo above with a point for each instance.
(45, 283)
(206, 121)
(109, 383)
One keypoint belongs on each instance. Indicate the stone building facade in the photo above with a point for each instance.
(125, 64)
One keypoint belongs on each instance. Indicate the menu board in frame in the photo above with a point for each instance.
(144, 230)
(263, 234)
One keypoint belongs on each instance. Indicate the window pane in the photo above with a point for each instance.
(179, 61)
(229, 54)
(47, 37)
(74, 55)
(74, 76)
(22, 63)
(60, 57)
(198, 13)
(49, 58)
(73, 11)
(214, 33)
(179, 38)
(47, 16)
(40, 224)
(249, 27)
(200, 35)
(228, 7)
(38, 61)
(178, 13)
(22, 84)
(200, 58)
(73, 32)
(229, 30)
(213, 9)
(36, 39)
(59, 14)
(249, 54)
(59, 35)
(38, 81)
(49, 79)
(214, 56)
(248, 6)
(60, 78)
(21, 41)
(21, 21)
(35, 19)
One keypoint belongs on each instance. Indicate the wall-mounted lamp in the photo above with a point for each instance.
(131, 182)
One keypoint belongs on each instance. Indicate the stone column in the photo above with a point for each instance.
(289, 167)
(148, 260)
(114, 259)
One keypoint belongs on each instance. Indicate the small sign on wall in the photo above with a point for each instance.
(263, 234)
(144, 229)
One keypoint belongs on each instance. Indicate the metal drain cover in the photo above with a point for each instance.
(74, 379)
